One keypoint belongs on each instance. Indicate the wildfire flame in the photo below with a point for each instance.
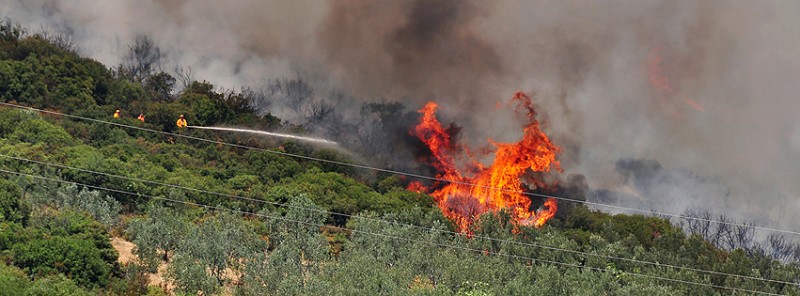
(488, 188)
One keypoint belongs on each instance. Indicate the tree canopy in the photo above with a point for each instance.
(216, 219)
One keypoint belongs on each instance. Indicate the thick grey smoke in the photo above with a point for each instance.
(418, 49)
(590, 63)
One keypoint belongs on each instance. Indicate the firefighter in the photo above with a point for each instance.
(116, 114)
(141, 117)
(181, 123)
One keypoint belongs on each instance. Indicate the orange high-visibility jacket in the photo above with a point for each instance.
(116, 114)
(181, 123)
(141, 117)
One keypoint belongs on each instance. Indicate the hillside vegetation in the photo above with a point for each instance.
(231, 220)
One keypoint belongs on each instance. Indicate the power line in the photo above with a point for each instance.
(400, 224)
(651, 212)
(388, 236)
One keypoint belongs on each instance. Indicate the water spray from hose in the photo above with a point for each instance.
(265, 133)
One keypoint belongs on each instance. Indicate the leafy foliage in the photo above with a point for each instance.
(69, 255)
(56, 285)
(161, 231)
(13, 280)
(12, 206)
(319, 228)
(69, 197)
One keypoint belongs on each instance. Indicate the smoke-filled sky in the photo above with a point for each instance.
(707, 89)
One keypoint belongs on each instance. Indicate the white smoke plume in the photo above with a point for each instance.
(586, 60)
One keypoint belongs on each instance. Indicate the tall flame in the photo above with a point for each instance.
(489, 188)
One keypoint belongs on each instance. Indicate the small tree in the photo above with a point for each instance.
(12, 206)
(160, 86)
(162, 230)
(298, 247)
(79, 258)
(219, 243)
(190, 276)
(99, 206)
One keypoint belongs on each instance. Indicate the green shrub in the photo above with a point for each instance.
(57, 285)
(271, 166)
(12, 281)
(40, 131)
(10, 234)
(12, 206)
(80, 259)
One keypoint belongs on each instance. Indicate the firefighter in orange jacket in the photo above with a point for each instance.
(116, 114)
(181, 123)
(141, 117)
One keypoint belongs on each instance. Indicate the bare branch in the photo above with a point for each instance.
(142, 60)
(184, 76)
(60, 38)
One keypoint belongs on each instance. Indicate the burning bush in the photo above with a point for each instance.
(463, 196)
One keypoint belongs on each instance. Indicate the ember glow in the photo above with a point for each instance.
(480, 188)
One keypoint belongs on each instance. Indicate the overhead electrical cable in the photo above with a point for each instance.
(418, 176)
(536, 245)
(479, 251)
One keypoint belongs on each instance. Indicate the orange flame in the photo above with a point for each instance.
(416, 187)
(489, 188)
(551, 206)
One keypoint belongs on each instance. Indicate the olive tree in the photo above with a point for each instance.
(161, 230)
(297, 247)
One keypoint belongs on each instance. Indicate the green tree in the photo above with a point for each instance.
(42, 132)
(161, 230)
(213, 249)
(56, 285)
(12, 206)
(10, 234)
(190, 276)
(123, 92)
(271, 166)
(298, 249)
(79, 258)
(160, 86)
(12, 280)
(69, 197)
(49, 222)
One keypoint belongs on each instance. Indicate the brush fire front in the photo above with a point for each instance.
(467, 193)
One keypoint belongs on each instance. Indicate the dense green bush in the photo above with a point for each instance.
(40, 131)
(10, 234)
(69, 255)
(57, 285)
(13, 281)
(270, 166)
(73, 227)
(158, 234)
(55, 237)
(12, 206)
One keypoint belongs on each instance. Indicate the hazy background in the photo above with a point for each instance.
(639, 144)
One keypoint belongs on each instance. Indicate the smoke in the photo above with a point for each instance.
(416, 49)
(648, 185)
(587, 62)
(228, 44)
